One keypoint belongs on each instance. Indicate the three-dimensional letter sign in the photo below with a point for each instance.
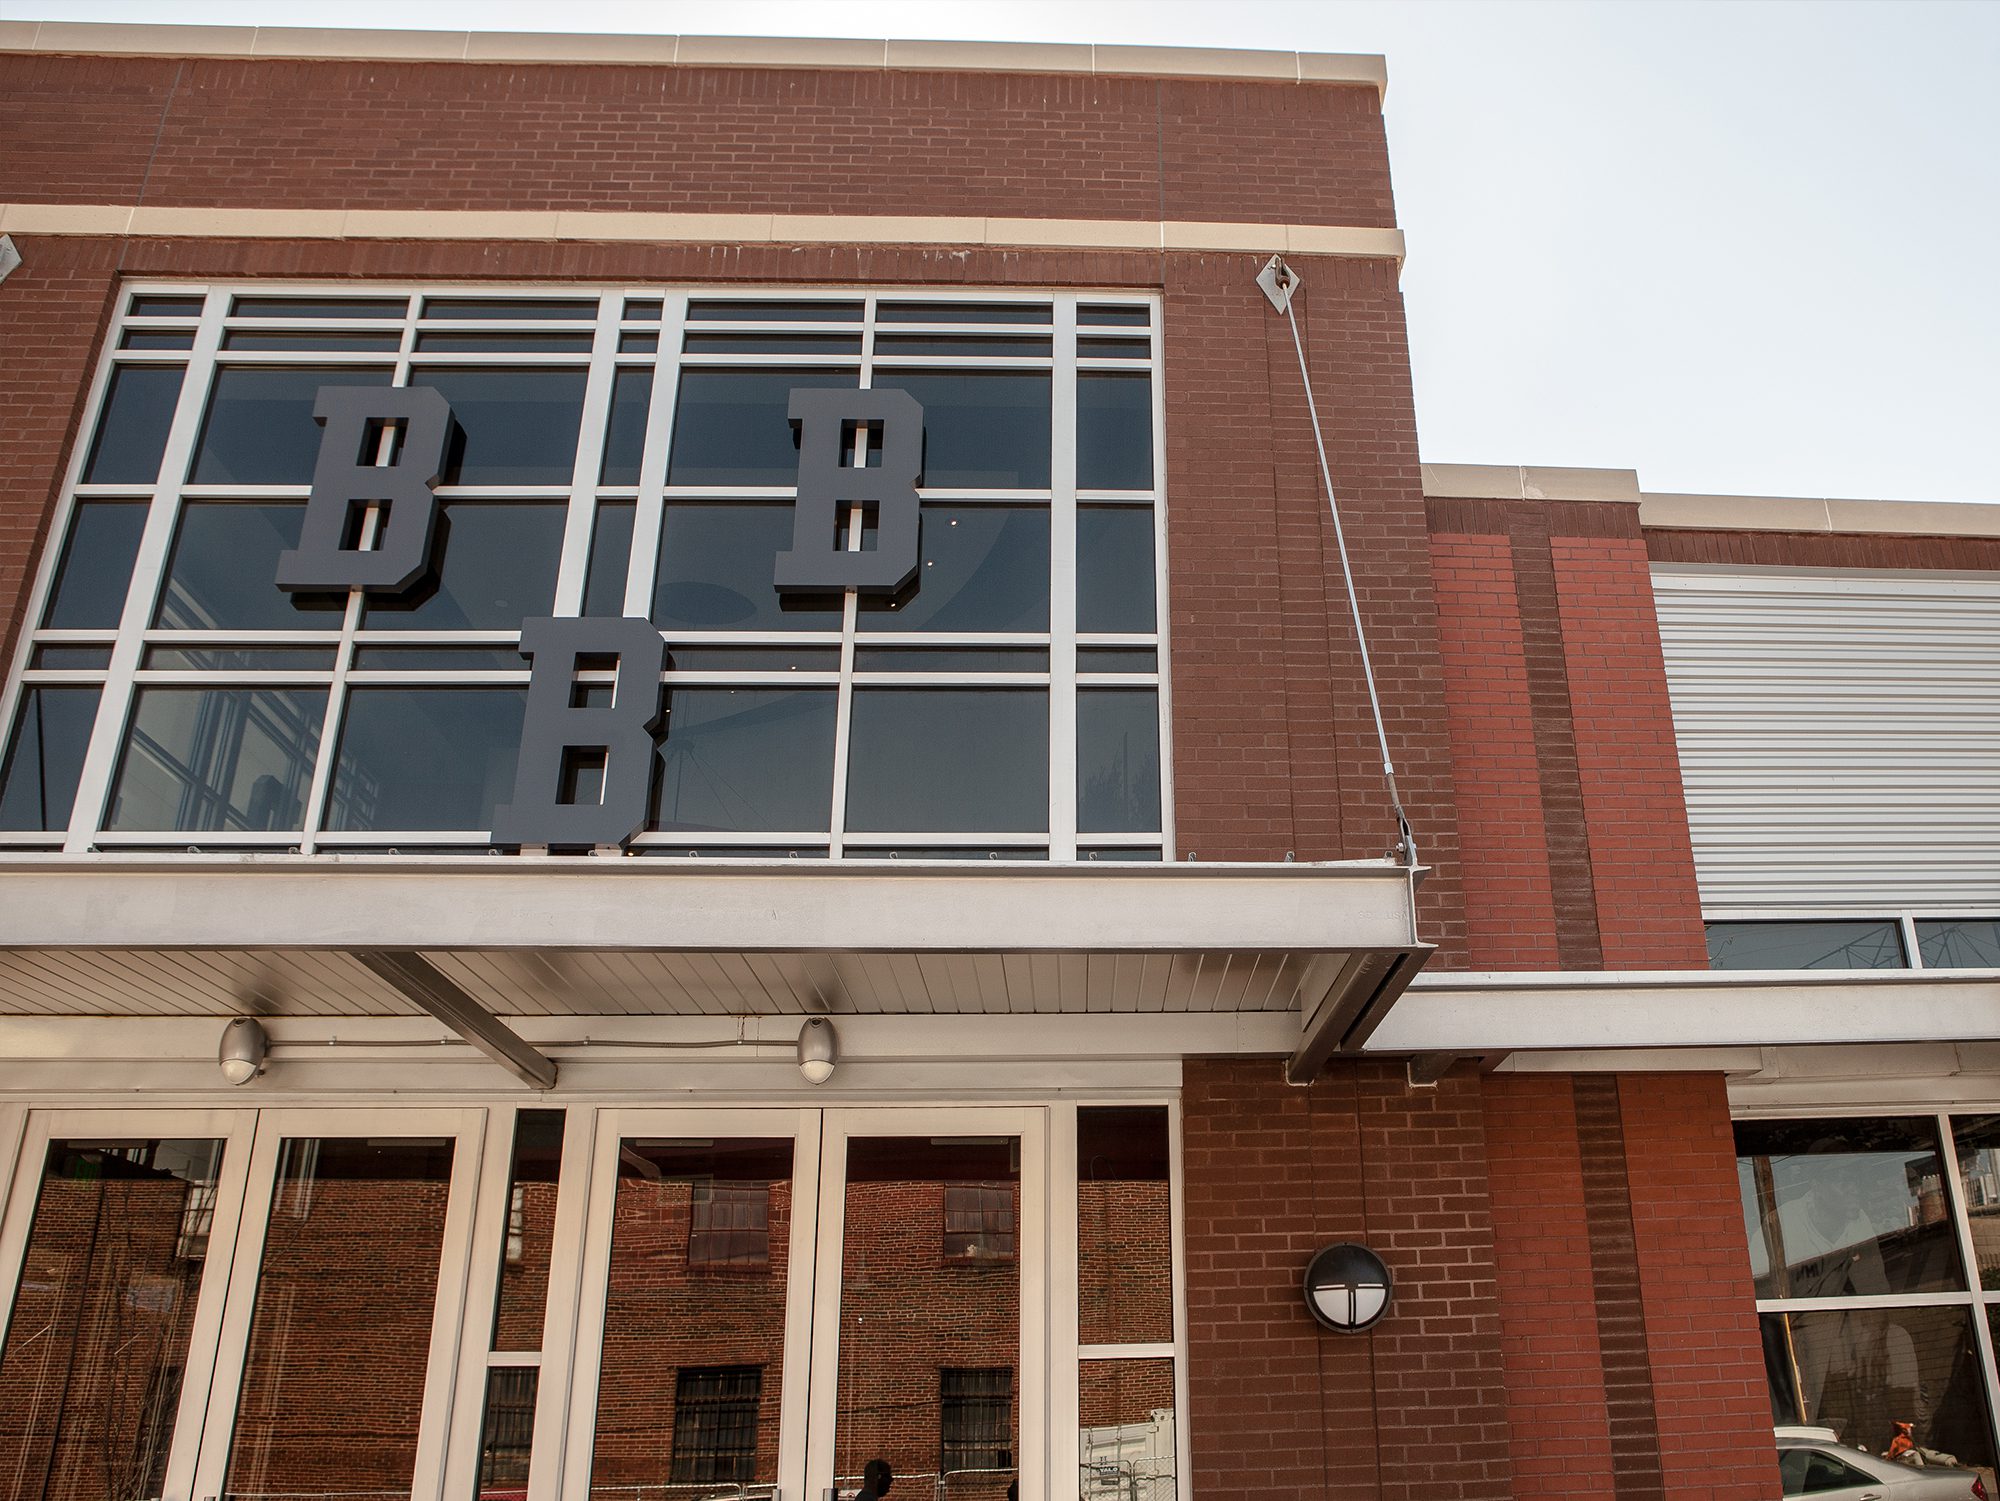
(415, 424)
(585, 770)
(830, 482)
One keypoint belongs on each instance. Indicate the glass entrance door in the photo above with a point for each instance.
(928, 1319)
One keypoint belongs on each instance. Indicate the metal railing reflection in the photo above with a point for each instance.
(948, 1485)
(1126, 1480)
(749, 1490)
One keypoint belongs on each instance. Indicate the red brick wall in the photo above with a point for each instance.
(1279, 1409)
(279, 134)
(1576, 845)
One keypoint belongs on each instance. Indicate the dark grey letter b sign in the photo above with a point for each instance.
(829, 483)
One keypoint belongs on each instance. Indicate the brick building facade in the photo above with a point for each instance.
(1081, 841)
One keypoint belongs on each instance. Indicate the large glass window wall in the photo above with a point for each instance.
(627, 452)
(1875, 1255)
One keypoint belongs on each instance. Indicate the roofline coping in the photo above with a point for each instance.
(1102, 59)
(1725, 513)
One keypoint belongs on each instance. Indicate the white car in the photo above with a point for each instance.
(1811, 1462)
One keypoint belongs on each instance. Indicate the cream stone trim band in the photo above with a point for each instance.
(705, 51)
(733, 229)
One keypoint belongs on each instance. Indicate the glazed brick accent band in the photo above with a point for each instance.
(1822, 550)
(1614, 1274)
(635, 139)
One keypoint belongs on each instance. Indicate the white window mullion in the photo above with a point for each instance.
(581, 522)
(1161, 616)
(1062, 586)
(100, 762)
(649, 508)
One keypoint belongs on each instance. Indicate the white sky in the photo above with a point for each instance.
(1745, 247)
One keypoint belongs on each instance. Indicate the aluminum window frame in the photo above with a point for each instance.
(170, 492)
(1905, 920)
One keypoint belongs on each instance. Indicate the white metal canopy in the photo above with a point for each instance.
(469, 940)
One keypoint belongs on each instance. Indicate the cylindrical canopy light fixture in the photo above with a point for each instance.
(241, 1055)
(819, 1050)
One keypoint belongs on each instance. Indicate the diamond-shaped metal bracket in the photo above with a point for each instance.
(10, 257)
(1278, 281)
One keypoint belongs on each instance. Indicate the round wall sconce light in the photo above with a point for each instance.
(819, 1050)
(1347, 1288)
(244, 1046)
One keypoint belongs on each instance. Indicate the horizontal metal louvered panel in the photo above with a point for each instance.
(1839, 735)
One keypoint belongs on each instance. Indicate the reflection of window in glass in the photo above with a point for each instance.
(978, 1221)
(132, 433)
(45, 757)
(1862, 1371)
(1846, 1208)
(91, 1373)
(507, 1439)
(715, 1424)
(1124, 1226)
(531, 1223)
(1125, 1439)
(975, 1418)
(729, 1224)
(1978, 1142)
(1805, 945)
(1959, 943)
(89, 593)
(237, 759)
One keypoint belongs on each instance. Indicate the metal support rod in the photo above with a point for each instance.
(1279, 282)
(423, 983)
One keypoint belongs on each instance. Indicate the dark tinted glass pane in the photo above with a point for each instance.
(951, 659)
(221, 571)
(1117, 659)
(754, 659)
(610, 558)
(982, 429)
(1114, 349)
(972, 346)
(70, 658)
(260, 428)
(638, 343)
(218, 758)
(45, 757)
(1118, 760)
(715, 572)
(625, 431)
(157, 338)
(507, 1437)
(531, 1222)
(520, 343)
(946, 852)
(320, 307)
(1960, 943)
(259, 339)
(1124, 1226)
(166, 307)
(641, 310)
(1114, 314)
(1120, 852)
(774, 312)
(516, 427)
(238, 659)
(1805, 945)
(742, 760)
(1863, 1371)
(439, 659)
(1846, 1208)
(963, 312)
(731, 427)
(948, 759)
(1114, 570)
(508, 309)
(985, 568)
(823, 344)
(96, 566)
(132, 433)
(496, 566)
(426, 758)
(1114, 431)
